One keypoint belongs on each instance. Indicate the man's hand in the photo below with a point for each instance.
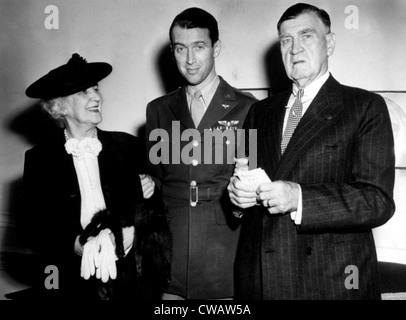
(241, 195)
(279, 196)
(148, 185)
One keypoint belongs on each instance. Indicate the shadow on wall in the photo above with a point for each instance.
(34, 126)
(168, 71)
(170, 77)
(273, 65)
(275, 71)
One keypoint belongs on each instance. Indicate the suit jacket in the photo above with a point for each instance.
(52, 201)
(342, 155)
(204, 236)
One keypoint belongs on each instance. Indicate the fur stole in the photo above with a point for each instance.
(149, 271)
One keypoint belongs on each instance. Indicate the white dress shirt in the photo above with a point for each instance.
(85, 159)
(207, 92)
(84, 154)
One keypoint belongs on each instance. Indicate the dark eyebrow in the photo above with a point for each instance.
(177, 44)
(307, 30)
(304, 31)
(195, 43)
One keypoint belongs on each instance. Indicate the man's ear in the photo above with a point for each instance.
(331, 43)
(217, 48)
(172, 52)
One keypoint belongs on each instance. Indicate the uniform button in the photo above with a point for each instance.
(308, 251)
(195, 143)
(195, 162)
(228, 142)
(193, 183)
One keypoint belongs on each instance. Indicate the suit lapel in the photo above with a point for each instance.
(322, 112)
(223, 102)
(180, 109)
(269, 144)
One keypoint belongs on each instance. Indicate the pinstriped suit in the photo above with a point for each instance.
(342, 156)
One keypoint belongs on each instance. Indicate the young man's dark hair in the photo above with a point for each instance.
(196, 18)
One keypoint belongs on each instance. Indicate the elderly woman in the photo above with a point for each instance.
(85, 207)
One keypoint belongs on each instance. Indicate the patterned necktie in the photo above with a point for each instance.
(294, 117)
(197, 108)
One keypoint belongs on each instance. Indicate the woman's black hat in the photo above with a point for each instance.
(74, 76)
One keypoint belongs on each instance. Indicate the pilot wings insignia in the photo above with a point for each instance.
(227, 125)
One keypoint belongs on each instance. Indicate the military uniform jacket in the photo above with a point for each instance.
(204, 231)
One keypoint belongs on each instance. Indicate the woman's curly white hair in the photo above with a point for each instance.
(55, 108)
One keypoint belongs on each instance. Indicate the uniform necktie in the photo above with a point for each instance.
(294, 117)
(197, 108)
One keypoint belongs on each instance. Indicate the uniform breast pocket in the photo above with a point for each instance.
(171, 155)
(219, 147)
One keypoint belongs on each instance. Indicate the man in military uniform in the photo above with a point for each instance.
(193, 184)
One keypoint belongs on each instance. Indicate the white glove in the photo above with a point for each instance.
(107, 257)
(90, 258)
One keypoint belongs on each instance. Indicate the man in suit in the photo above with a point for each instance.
(204, 231)
(307, 234)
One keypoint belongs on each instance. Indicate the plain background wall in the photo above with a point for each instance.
(132, 35)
